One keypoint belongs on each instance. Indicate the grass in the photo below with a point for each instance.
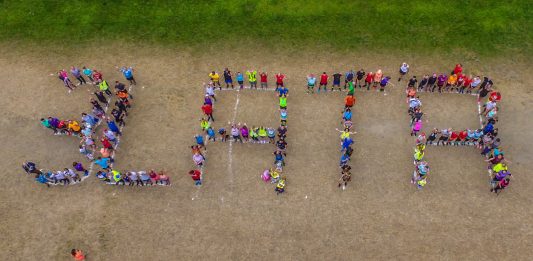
(488, 27)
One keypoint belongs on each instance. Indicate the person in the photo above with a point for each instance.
(451, 83)
(164, 178)
(404, 69)
(346, 143)
(77, 254)
(351, 88)
(104, 87)
(417, 126)
(106, 143)
(215, 79)
(458, 69)
(282, 91)
(228, 78)
(336, 81)
(97, 76)
(240, 80)
(348, 77)
(423, 85)
(104, 163)
(280, 187)
(444, 136)
(154, 177)
(278, 157)
(282, 131)
(128, 74)
(344, 160)
(208, 111)
(78, 166)
(271, 133)
(101, 97)
(264, 81)
(198, 159)
(89, 119)
(204, 124)
(345, 133)
(368, 80)
(196, 176)
(46, 124)
(200, 140)
(211, 134)
(252, 78)
(117, 177)
(88, 73)
(283, 116)
(223, 135)
(345, 178)
(245, 132)
(441, 80)
(113, 127)
(279, 80)
(383, 83)
(323, 82)
(432, 137)
(349, 101)
(347, 115)
(210, 90)
(359, 79)
(283, 102)
(254, 135)
(377, 77)
(412, 82)
(73, 126)
(72, 174)
(460, 81)
(235, 134)
(431, 82)
(501, 185)
(77, 74)
(311, 80)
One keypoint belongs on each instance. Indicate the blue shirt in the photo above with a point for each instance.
(347, 115)
(87, 72)
(104, 162)
(311, 80)
(112, 126)
(347, 142)
(283, 91)
(240, 77)
(210, 132)
(128, 73)
(90, 119)
(488, 128)
(199, 139)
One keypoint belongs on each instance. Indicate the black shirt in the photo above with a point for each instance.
(432, 80)
(360, 75)
(227, 75)
(412, 81)
(337, 77)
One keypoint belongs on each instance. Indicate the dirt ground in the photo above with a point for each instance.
(235, 215)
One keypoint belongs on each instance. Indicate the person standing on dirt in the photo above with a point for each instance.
(311, 80)
(215, 79)
(240, 80)
(77, 74)
(210, 91)
(423, 86)
(359, 79)
(431, 82)
(323, 82)
(283, 91)
(348, 77)
(128, 74)
(264, 80)
(196, 176)
(104, 87)
(252, 78)
(404, 69)
(228, 78)
(336, 81)
(88, 73)
(208, 110)
(279, 80)
(368, 80)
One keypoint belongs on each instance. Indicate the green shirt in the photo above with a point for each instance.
(45, 123)
(252, 76)
(283, 102)
(103, 86)
(351, 89)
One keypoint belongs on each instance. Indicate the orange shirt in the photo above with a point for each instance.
(349, 100)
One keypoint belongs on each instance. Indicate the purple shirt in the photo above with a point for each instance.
(76, 72)
(441, 79)
(244, 132)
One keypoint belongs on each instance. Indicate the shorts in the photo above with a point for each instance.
(403, 73)
(323, 83)
(310, 85)
(348, 80)
(129, 78)
(241, 82)
(336, 83)
(280, 84)
(229, 80)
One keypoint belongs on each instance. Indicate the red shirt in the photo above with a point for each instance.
(208, 109)
(196, 175)
(467, 82)
(458, 69)
(106, 143)
(454, 135)
(324, 78)
(263, 77)
(279, 78)
(349, 100)
(369, 77)
(463, 135)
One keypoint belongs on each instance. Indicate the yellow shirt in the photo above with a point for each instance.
(452, 79)
(73, 125)
(214, 77)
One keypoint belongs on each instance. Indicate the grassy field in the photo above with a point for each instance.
(485, 27)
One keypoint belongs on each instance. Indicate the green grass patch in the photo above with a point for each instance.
(485, 27)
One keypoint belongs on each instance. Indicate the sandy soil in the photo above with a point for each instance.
(235, 215)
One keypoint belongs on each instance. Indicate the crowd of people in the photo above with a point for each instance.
(346, 140)
(352, 80)
(133, 178)
(66, 176)
(455, 82)
(241, 132)
(86, 129)
(485, 139)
